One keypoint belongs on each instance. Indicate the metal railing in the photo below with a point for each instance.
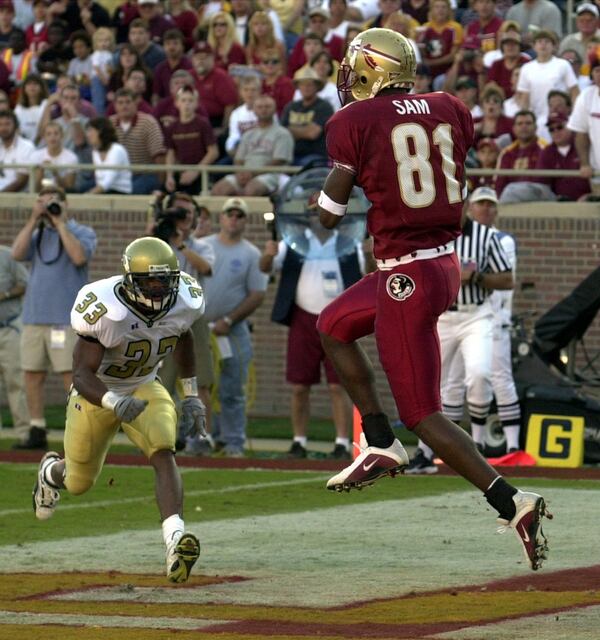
(216, 169)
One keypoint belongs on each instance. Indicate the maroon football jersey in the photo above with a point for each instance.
(407, 153)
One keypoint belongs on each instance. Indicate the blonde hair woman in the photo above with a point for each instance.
(222, 38)
(261, 38)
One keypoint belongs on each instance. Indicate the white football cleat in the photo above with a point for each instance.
(372, 463)
(181, 557)
(45, 496)
(527, 525)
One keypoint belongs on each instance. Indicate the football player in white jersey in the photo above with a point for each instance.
(126, 325)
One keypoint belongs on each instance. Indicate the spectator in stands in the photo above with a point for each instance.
(141, 136)
(184, 18)
(338, 22)
(222, 37)
(261, 38)
(7, 25)
(166, 111)
(217, 89)
(483, 30)
(127, 58)
(102, 137)
(544, 14)
(122, 18)
(80, 67)
(407, 26)
(493, 123)
(290, 13)
(102, 67)
(50, 158)
(572, 57)
(523, 153)
(85, 14)
(311, 45)
(235, 290)
(204, 224)
(511, 106)
(190, 140)
(36, 34)
(157, 23)
(33, 98)
(422, 79)
(559, 101)
(486, 155)
(326, 68)
(386, 9)
(173, 44)
(306, 119)
(23, 13)
(465, 90)
(440, 40)
(243, 117)
(468, 63)
(585, 123)
(14, 149)
(241, 10)
(59, 250)
(586, 21)
(540, 76)
(137, 82)
(418, 9)
(19, 60)
(562, 155)
(318, 24)
(275, 83)
(55, 58)
(71, 118)
(266, 144)
(140, 38)
(501, 70)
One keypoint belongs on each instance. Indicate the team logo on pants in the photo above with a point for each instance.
(400, 286)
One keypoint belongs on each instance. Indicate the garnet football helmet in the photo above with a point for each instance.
(151, 275)
(375, 59)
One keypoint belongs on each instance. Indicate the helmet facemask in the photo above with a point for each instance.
(153, 293)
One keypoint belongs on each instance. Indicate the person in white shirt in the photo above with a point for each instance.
(540, 76)
(102, 137)
(243, 117)
(50, 157)
(14, 149)
(585, 122)
(32, 100)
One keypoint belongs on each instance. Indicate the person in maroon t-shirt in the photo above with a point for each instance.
(521, 154)
(36, 33)
(407, 152)
(190, 140)
(217, 89)
(150, 13)
(501, 70)
(493, 123)
(485, 27)
(174, 46)
(275, 83)
(165, 111)
(561, 154)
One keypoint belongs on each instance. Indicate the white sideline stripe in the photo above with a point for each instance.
(188, 494)
(77, 620)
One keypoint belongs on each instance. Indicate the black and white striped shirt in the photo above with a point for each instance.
(479, 244)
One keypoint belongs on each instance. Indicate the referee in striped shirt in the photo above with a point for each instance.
(466, 328)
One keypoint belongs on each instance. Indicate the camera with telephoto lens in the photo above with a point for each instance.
(54, 208)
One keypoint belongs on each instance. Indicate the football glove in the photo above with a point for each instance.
(192, 419)
(129, 408)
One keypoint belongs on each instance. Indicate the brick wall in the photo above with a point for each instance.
(559, 244)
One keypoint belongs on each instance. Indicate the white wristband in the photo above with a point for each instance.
(190, 387)
(325, 202)
(110, 399)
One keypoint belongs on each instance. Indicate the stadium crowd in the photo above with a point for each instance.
(165, 81)
(253, 84)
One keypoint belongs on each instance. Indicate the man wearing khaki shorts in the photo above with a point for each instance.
(59, 250)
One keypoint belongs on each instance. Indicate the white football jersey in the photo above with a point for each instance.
(134, 344)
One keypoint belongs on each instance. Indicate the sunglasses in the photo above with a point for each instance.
(558, 127)
(271, 61)
(235, 214)
(219, 24)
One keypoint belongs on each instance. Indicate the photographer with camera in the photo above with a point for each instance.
(175, 217)
(59, 250)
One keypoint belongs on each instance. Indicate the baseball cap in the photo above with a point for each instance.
(487, 142)
(464, 82)
(557, 117)
(510, 36)
(235, 203)
(589, 8)
(484, 193)
(202, 47)
(319, 11)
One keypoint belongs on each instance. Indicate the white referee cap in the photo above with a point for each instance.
(484, 193)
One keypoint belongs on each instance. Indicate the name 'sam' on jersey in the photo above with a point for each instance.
(134, 345)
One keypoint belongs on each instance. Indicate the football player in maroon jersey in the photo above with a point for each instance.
(407, 152)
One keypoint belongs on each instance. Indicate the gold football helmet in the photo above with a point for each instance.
(151, 275)
(375, 59)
